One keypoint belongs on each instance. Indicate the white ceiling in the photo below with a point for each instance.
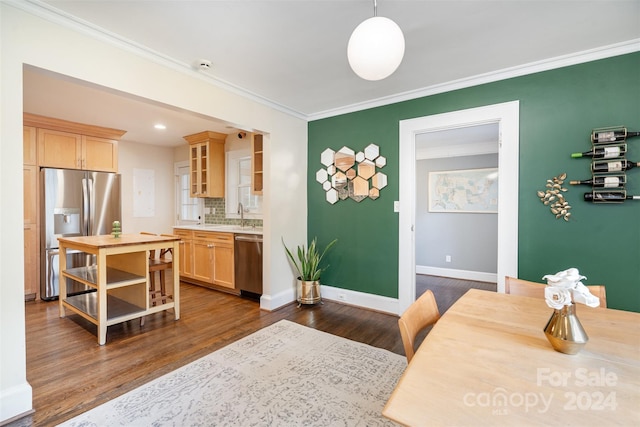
(292, 54)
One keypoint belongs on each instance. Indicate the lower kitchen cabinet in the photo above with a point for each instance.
(207, 258)
(202, 254)
(223, 265)
(186, 266)
(31, 267)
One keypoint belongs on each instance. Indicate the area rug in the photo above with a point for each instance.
(283, 375)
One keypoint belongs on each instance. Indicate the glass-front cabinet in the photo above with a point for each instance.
(207, 164)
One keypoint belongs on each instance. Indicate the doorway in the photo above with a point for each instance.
(506, 116)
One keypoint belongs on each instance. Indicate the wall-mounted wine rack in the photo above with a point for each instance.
(609, 165)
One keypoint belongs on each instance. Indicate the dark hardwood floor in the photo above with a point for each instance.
(447, 290)
(70, 373)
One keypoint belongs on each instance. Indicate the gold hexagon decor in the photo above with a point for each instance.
(347, 174)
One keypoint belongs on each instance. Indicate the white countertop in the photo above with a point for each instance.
(223, 228)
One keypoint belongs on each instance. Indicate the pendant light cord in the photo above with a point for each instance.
(375, 8)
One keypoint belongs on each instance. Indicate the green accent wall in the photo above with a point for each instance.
(558, 109)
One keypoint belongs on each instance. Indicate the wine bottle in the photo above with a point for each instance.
(604, 152)
(613, 166)
(608, 197)
(611, 134)
(603, 181)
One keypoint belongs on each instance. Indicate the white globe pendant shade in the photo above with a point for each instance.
(376, 48)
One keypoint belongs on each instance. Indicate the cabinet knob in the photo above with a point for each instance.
(210, 246)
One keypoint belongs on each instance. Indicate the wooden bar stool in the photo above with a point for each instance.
(159, 264)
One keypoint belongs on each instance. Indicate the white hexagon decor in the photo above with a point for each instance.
(352, 176)
(379, 180)
(326, 158)
(332, 196)
(321, 176)
(372, 151)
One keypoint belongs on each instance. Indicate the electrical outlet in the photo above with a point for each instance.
(447, 258)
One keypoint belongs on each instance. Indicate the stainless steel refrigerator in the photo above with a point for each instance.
(74, 203)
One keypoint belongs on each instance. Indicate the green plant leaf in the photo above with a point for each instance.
(308, 260)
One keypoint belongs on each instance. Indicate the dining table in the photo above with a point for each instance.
(487, 362)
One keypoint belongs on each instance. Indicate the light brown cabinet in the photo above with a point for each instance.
(30, 211)
(31, 264)
(29, 144)
(256, 164)
(223, 261)
(69, 145)
(207, 258)
(206, 164)
(66, 150)
(186, 238)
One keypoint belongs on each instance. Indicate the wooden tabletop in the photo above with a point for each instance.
(488, 362)
(110, 241)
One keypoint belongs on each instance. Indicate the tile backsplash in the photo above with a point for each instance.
(219, 216)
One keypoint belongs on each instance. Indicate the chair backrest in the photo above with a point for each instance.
(152, 252)
(526, 288)
(164, 252)
(422, 313)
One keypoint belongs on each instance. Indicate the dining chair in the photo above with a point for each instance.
(421, 313)
(515, 286)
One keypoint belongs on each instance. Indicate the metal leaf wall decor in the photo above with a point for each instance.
(554, 198)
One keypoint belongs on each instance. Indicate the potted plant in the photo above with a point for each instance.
(307, 265)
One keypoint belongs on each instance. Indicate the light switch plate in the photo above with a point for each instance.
(396, 206)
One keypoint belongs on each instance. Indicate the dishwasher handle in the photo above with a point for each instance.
(248, 238)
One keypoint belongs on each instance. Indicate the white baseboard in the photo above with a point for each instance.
(346, 296)
(15, 402)
(370, 301)
(478, 276)
(273, 302)
(360, 299)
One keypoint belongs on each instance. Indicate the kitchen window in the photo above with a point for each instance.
(239, 186)
(188, 209)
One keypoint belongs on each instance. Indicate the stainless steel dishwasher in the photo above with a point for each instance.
(248, 264)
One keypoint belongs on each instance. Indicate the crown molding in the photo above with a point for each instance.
(617, 49)
(57, 16)
(49, 13)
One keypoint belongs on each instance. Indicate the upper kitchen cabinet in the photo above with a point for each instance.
(69, 145)
(256, 164)
(29, 156)
(206, 163)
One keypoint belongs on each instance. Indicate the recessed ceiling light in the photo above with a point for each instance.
(160, 126)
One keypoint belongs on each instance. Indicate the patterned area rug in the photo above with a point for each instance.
(283, 375)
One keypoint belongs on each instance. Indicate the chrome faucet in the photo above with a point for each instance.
(241, 212)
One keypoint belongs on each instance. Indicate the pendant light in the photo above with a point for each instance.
(376, 47)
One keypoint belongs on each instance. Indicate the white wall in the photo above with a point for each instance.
(29, 39)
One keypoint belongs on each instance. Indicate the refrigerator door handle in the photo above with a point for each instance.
(85, 205)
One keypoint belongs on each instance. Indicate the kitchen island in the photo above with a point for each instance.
(120, 277)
